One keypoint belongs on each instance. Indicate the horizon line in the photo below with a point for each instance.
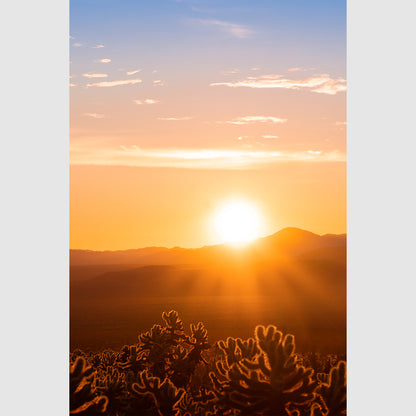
(231, 245)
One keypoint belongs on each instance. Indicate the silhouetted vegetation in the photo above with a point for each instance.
(170, 372)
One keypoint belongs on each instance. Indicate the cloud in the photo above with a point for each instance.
(95, 75)
(77, 45)
(98, 46)
(231, 71)
(322, 84)
(105, 84)
(233, 29)
(104, 60)
(174, 118)
(123, 155)
(295, 69)
(158, 82)
(136, 71)
(268, 136)
(256, 119)
(72, 84)
(299, 69)
(340, 123)
(146, 101)
(94, 115)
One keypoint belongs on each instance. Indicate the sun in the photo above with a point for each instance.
(237, 222)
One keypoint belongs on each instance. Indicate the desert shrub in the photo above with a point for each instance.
(170, 372)
(84, 399)
(111, 383)
(166, 396)
(333, 392)
(262, 377)
(321, 363)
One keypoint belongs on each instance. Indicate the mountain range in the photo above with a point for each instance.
(288, 241)
(294, 279)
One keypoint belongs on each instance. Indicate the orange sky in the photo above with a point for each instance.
(175, 109)
(129, 207)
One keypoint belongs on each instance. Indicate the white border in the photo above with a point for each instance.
(34, 206)
(381, 207)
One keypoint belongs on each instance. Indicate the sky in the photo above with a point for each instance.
(178, 106)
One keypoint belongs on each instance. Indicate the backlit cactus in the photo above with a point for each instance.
(174, 373)
(265, 382)
(333, 390)
(165, 394)
(83, 398)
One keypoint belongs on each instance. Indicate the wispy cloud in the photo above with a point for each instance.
(193, 158)
(104, 60)
(231, 71)
(77, 45)
(322, 84)
(145, 101)
(106, 84)
(299, 69)
(98, 46)
(256, 119)
(158, 82)
(136, 71)
(95, 75)
(340, 123)
(94, 115)
(268, 136)
(233, 29)
(72, 84)
(174, 118)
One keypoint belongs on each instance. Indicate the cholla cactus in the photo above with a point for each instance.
(133, 360)
(236, 349)
(185, 359)
(108, 359)
(333, 390)
(156, 346)
(199, 337)
(262, 378)
(170, 373)
(168, 352)
(190, 407)
(165, 394)
(75, 354)
(112, 383)
(84, 400)
(174, 326)
(198, 342)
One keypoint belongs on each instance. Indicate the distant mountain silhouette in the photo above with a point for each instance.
(288, 241)
(293, 278)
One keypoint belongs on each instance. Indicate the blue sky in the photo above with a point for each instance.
(272, 33)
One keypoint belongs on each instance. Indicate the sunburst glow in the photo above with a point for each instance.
(237, 222)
